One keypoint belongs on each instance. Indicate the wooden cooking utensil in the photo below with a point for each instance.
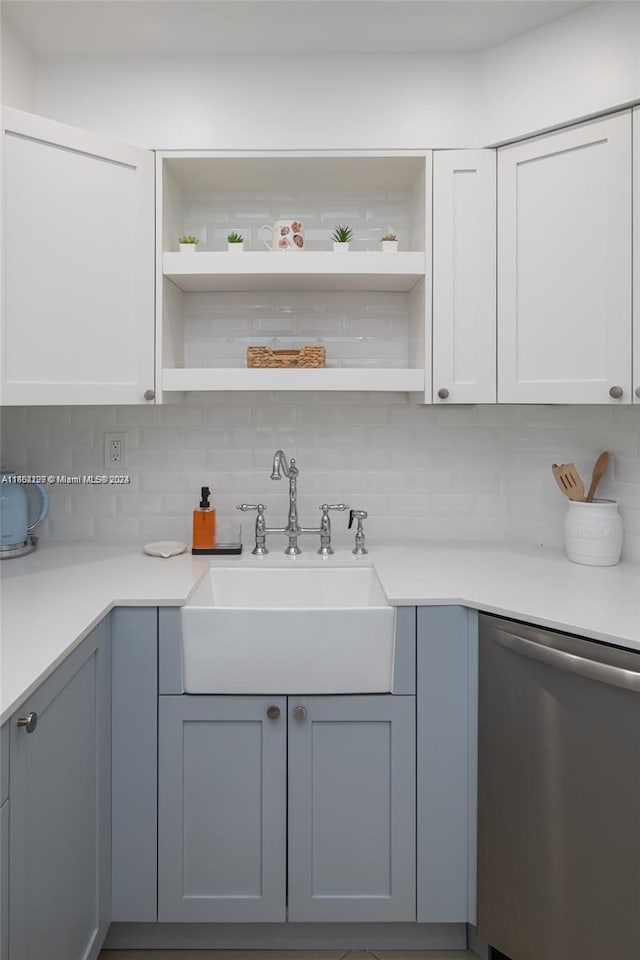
(598, 470)
(568, 479)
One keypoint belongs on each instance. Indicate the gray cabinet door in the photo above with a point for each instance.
(134, 768)
(352, 808)
(60, 812)
(447, 693)
(221, 815)
(4, 881)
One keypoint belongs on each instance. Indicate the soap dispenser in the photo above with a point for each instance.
(204, 525)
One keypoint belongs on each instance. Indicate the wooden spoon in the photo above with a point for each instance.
(568, 479)
(598, 470)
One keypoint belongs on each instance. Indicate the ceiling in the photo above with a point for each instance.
(236, 27)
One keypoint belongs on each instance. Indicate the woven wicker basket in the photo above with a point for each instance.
(265, 357)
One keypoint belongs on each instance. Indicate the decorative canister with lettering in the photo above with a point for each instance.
(593, 532)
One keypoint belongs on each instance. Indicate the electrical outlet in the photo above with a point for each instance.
(115, 450)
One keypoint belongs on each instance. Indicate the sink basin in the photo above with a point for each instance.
(284, 630)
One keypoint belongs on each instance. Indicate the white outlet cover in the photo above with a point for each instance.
(109, 463)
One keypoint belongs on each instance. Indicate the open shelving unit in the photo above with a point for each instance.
(370, 309)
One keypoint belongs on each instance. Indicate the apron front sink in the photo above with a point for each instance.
(282, 630)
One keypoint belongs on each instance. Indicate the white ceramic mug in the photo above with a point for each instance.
(285, 235)
(593, 532)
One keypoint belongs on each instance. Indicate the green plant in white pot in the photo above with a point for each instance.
(389, 242)
(341, 236)
(187, 244)
(235, 242)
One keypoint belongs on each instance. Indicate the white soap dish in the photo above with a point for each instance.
(165, 548)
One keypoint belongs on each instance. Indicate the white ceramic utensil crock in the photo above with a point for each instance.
(593, 532)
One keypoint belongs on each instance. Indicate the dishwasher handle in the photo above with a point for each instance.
(582, 666)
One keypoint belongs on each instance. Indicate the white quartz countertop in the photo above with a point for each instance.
(51, 599)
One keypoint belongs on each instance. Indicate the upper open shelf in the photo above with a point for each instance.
(318, 270)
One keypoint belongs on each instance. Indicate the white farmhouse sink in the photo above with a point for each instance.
(284, 630)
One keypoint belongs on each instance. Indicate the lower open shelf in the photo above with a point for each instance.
(238, 378)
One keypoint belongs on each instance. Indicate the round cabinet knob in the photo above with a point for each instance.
(616, 392)
(300, 712)
(149, 394)
(273, 712)
(443, 393)
(30, 722)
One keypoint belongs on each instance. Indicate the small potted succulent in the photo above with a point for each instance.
(389, 242)
(187, 244)
(341, 237)
(235, 242)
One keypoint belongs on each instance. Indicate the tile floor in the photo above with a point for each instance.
(287, 955)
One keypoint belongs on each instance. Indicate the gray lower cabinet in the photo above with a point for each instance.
(352, 808)
(222, 853)
(134, 763)
(4, 842)
(447, 738)
(4, 881)
(222, 808)
(59, 831)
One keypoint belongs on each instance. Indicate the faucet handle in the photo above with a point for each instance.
(260, 548)
(325, 527)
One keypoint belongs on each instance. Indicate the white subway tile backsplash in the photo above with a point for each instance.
(187, 460)
(65, 437)
(479, 528)
(138, 416)
(93, 503)
(69, 528)
(116, 528)
(164, 482)
(436, 472)
(165, 528)
(138, 505)
(454, 504)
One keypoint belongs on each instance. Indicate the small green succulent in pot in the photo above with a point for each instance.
(341, 237)
(235, 242)
(342, 234)
(389, 241)
(187, 243)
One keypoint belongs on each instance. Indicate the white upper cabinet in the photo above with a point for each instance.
(636, 255)
(464, 276)
(564, 266)
(78, 324)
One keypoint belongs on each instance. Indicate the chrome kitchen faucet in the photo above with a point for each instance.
(292, 529)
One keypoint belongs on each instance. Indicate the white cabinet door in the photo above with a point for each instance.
(636, 255)
(78, 324)
(464, 276)
(564, 266)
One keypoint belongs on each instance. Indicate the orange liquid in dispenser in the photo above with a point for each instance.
(204, 524)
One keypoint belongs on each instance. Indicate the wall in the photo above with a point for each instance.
(479, 472)
(239, 102)
(18, 71)
(420, 471)
(581, 64)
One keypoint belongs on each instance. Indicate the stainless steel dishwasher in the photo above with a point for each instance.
(558, 795)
